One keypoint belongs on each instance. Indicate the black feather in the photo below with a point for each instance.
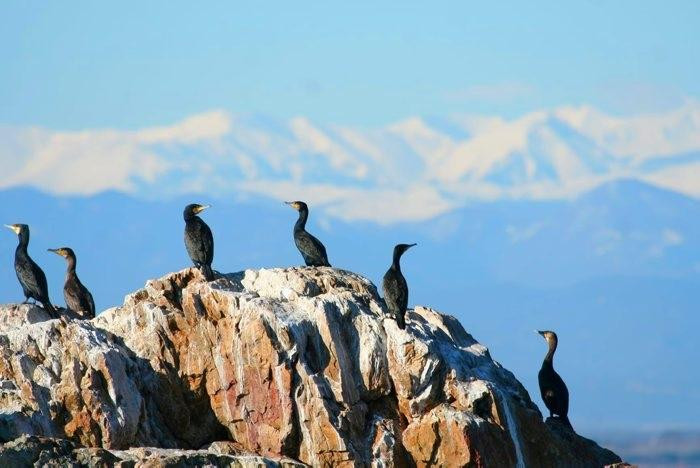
(311, 249)
(30, 276)
(199, 242)
(395, 287)
(552, 387)
(77, 297)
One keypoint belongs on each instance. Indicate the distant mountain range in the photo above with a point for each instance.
(615, 271)
(412, 170)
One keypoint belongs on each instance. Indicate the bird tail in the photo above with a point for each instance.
(50, 308)
(401, 320)
(207, 272)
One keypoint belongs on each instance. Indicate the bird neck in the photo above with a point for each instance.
(190, 216)
(396, 263)
(301, 222)
(71, 265)
(549, 358)
(23, 241)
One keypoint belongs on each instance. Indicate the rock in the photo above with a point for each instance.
(298, 363)
(68, 379)
(14, 316)
(43, 451)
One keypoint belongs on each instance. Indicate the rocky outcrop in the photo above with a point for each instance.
(43, 451)
(298, 364)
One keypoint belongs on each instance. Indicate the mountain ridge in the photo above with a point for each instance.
(437, 164)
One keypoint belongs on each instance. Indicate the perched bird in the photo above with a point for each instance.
(30, 276)
(311, 249)
(395, 287)
(78, 298)
(199, 240)
(552, 388)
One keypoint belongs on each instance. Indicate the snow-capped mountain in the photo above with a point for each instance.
(411, 170)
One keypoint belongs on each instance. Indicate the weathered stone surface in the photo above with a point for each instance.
(299, 363)
(14, 316)
(67, 379)
(43, 451)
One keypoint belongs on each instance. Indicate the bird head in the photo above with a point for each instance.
(194, 208)
(401, 248)
(549, 336)
(298, 205)
(64, 252)
(18, 228)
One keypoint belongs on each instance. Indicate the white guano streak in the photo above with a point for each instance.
(512, 429)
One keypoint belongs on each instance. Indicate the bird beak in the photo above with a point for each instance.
(412, 245)
(291, 203)
(12, 227)
(201, 208)
(54, 251)
(540, 332)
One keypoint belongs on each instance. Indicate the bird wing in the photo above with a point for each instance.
(563, 393)
(402, 297)
(311, 249)
(89, 302)
(78, 298)
(388, 288)
(199, 242)
(208, 243)
(71, 294)
(33, 279)
(395, 291)
(554, 392)
(550, 400)
(546, 390)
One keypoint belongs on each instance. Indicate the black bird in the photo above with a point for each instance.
(395, 287)
(30, 276)
(198, 240)
(78, 298)
(311, 249)
(552, 388)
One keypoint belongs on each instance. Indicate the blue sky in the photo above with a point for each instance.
(134, 64)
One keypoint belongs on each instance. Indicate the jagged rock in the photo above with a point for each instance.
(14, 316)
(299, 363)
(43, 451)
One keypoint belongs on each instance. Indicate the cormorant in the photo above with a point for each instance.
(78, 298)
(199, 240)
(30, 276)
(311, 249)
(395, 287)
(552, 388)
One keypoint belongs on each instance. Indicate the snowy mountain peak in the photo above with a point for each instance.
(437, 163)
